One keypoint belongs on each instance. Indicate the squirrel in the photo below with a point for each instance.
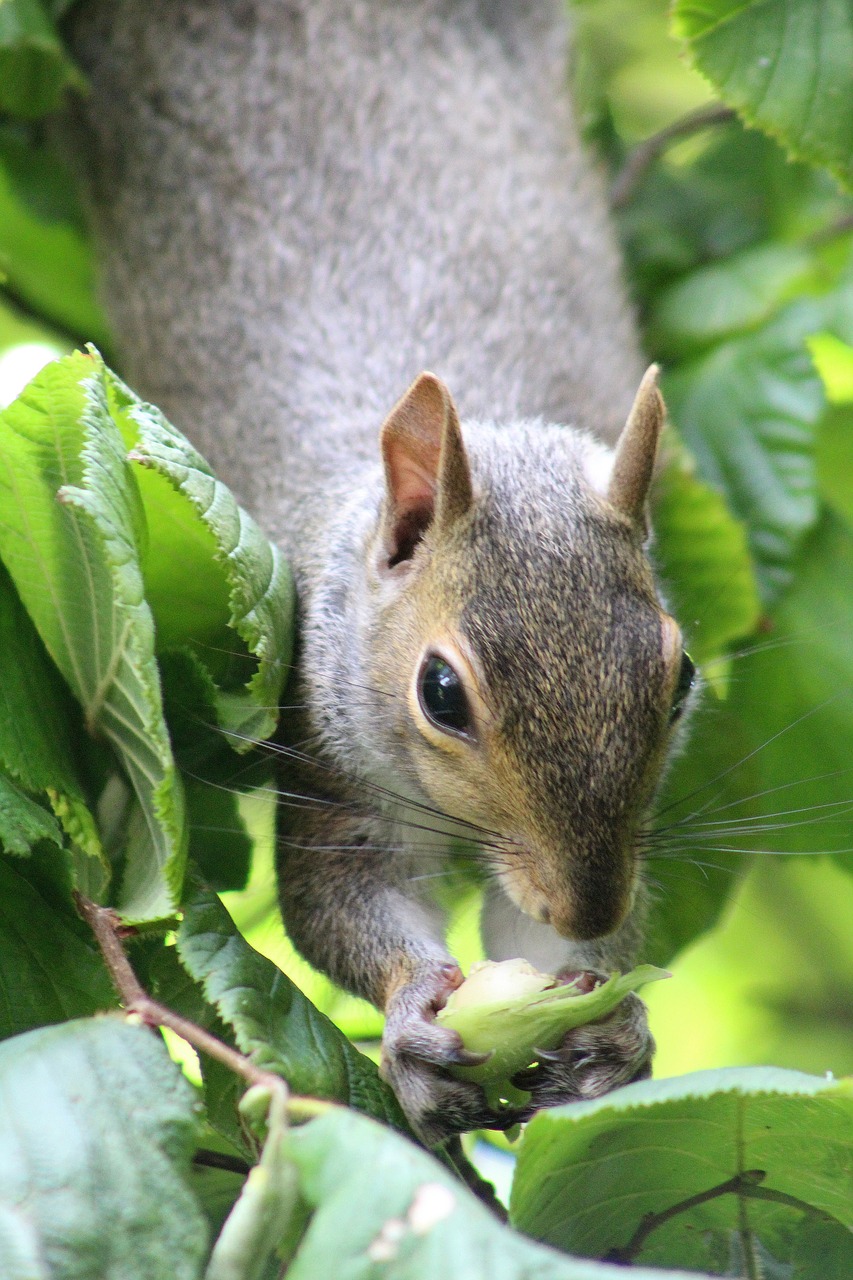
(299, 209)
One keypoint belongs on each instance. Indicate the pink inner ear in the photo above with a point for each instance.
(411, 468)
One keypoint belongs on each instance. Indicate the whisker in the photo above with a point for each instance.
(813, 711)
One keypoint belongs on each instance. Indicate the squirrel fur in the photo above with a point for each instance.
(299, 207)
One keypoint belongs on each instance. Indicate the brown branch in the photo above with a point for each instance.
(109, 932)
(108, 929)
(646, 153)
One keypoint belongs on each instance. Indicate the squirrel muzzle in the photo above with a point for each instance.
(581, 893)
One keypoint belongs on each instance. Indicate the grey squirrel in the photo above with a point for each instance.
(301, 206)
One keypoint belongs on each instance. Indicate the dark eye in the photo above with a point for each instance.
(442, 696)
(686, 680)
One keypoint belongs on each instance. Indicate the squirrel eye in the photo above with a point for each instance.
(442, 697)
(686, 681)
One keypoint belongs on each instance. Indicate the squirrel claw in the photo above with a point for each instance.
(591, 1060)
(416, 1055)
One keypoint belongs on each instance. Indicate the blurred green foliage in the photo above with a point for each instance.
(741, 264)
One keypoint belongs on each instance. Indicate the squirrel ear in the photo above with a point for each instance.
(426, 468)
(636, 449)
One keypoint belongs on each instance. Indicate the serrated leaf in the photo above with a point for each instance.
(589, 1174)
(23, 822)
(38, 724)
(245, 582)
(70, 520)
(408, 1219)
(34, 67)
(50, 969)
(748, 411)
(97, 1128)
(786, 65)
(271, 1019)
(703, 554)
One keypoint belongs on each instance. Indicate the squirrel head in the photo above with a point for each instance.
(538, 675)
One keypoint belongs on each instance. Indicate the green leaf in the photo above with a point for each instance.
(38, 726)
(97, 1126)
(34, 68)
(272, 1020)
(45, 255)
(50, 969)
(589, 1174)
(215, 778)
(70, 522)
(835, 459)
(786, 65)
(262, 1216)
(23, 822)
(834, 362)
(748, 411)
(381, 1206)
(704, 561)
(243, 599)
(795, 706)
(718, 301)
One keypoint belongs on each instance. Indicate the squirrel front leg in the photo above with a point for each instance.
(348, 909)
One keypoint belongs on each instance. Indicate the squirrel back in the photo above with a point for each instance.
(394, 188)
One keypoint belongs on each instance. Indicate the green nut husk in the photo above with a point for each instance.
(518, 1011)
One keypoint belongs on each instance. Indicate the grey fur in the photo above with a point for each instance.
(301, 205)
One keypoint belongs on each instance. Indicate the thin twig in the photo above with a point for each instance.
(108, 928)
(645, 153)
(109, 931)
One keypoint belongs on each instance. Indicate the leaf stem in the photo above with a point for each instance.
(650, 1222)
(646, 152)
(745, 1185)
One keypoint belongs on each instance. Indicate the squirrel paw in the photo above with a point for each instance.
(593, 1059)
(416, 1055)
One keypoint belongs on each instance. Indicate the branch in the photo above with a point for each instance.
(108, 930)
(645, 153)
